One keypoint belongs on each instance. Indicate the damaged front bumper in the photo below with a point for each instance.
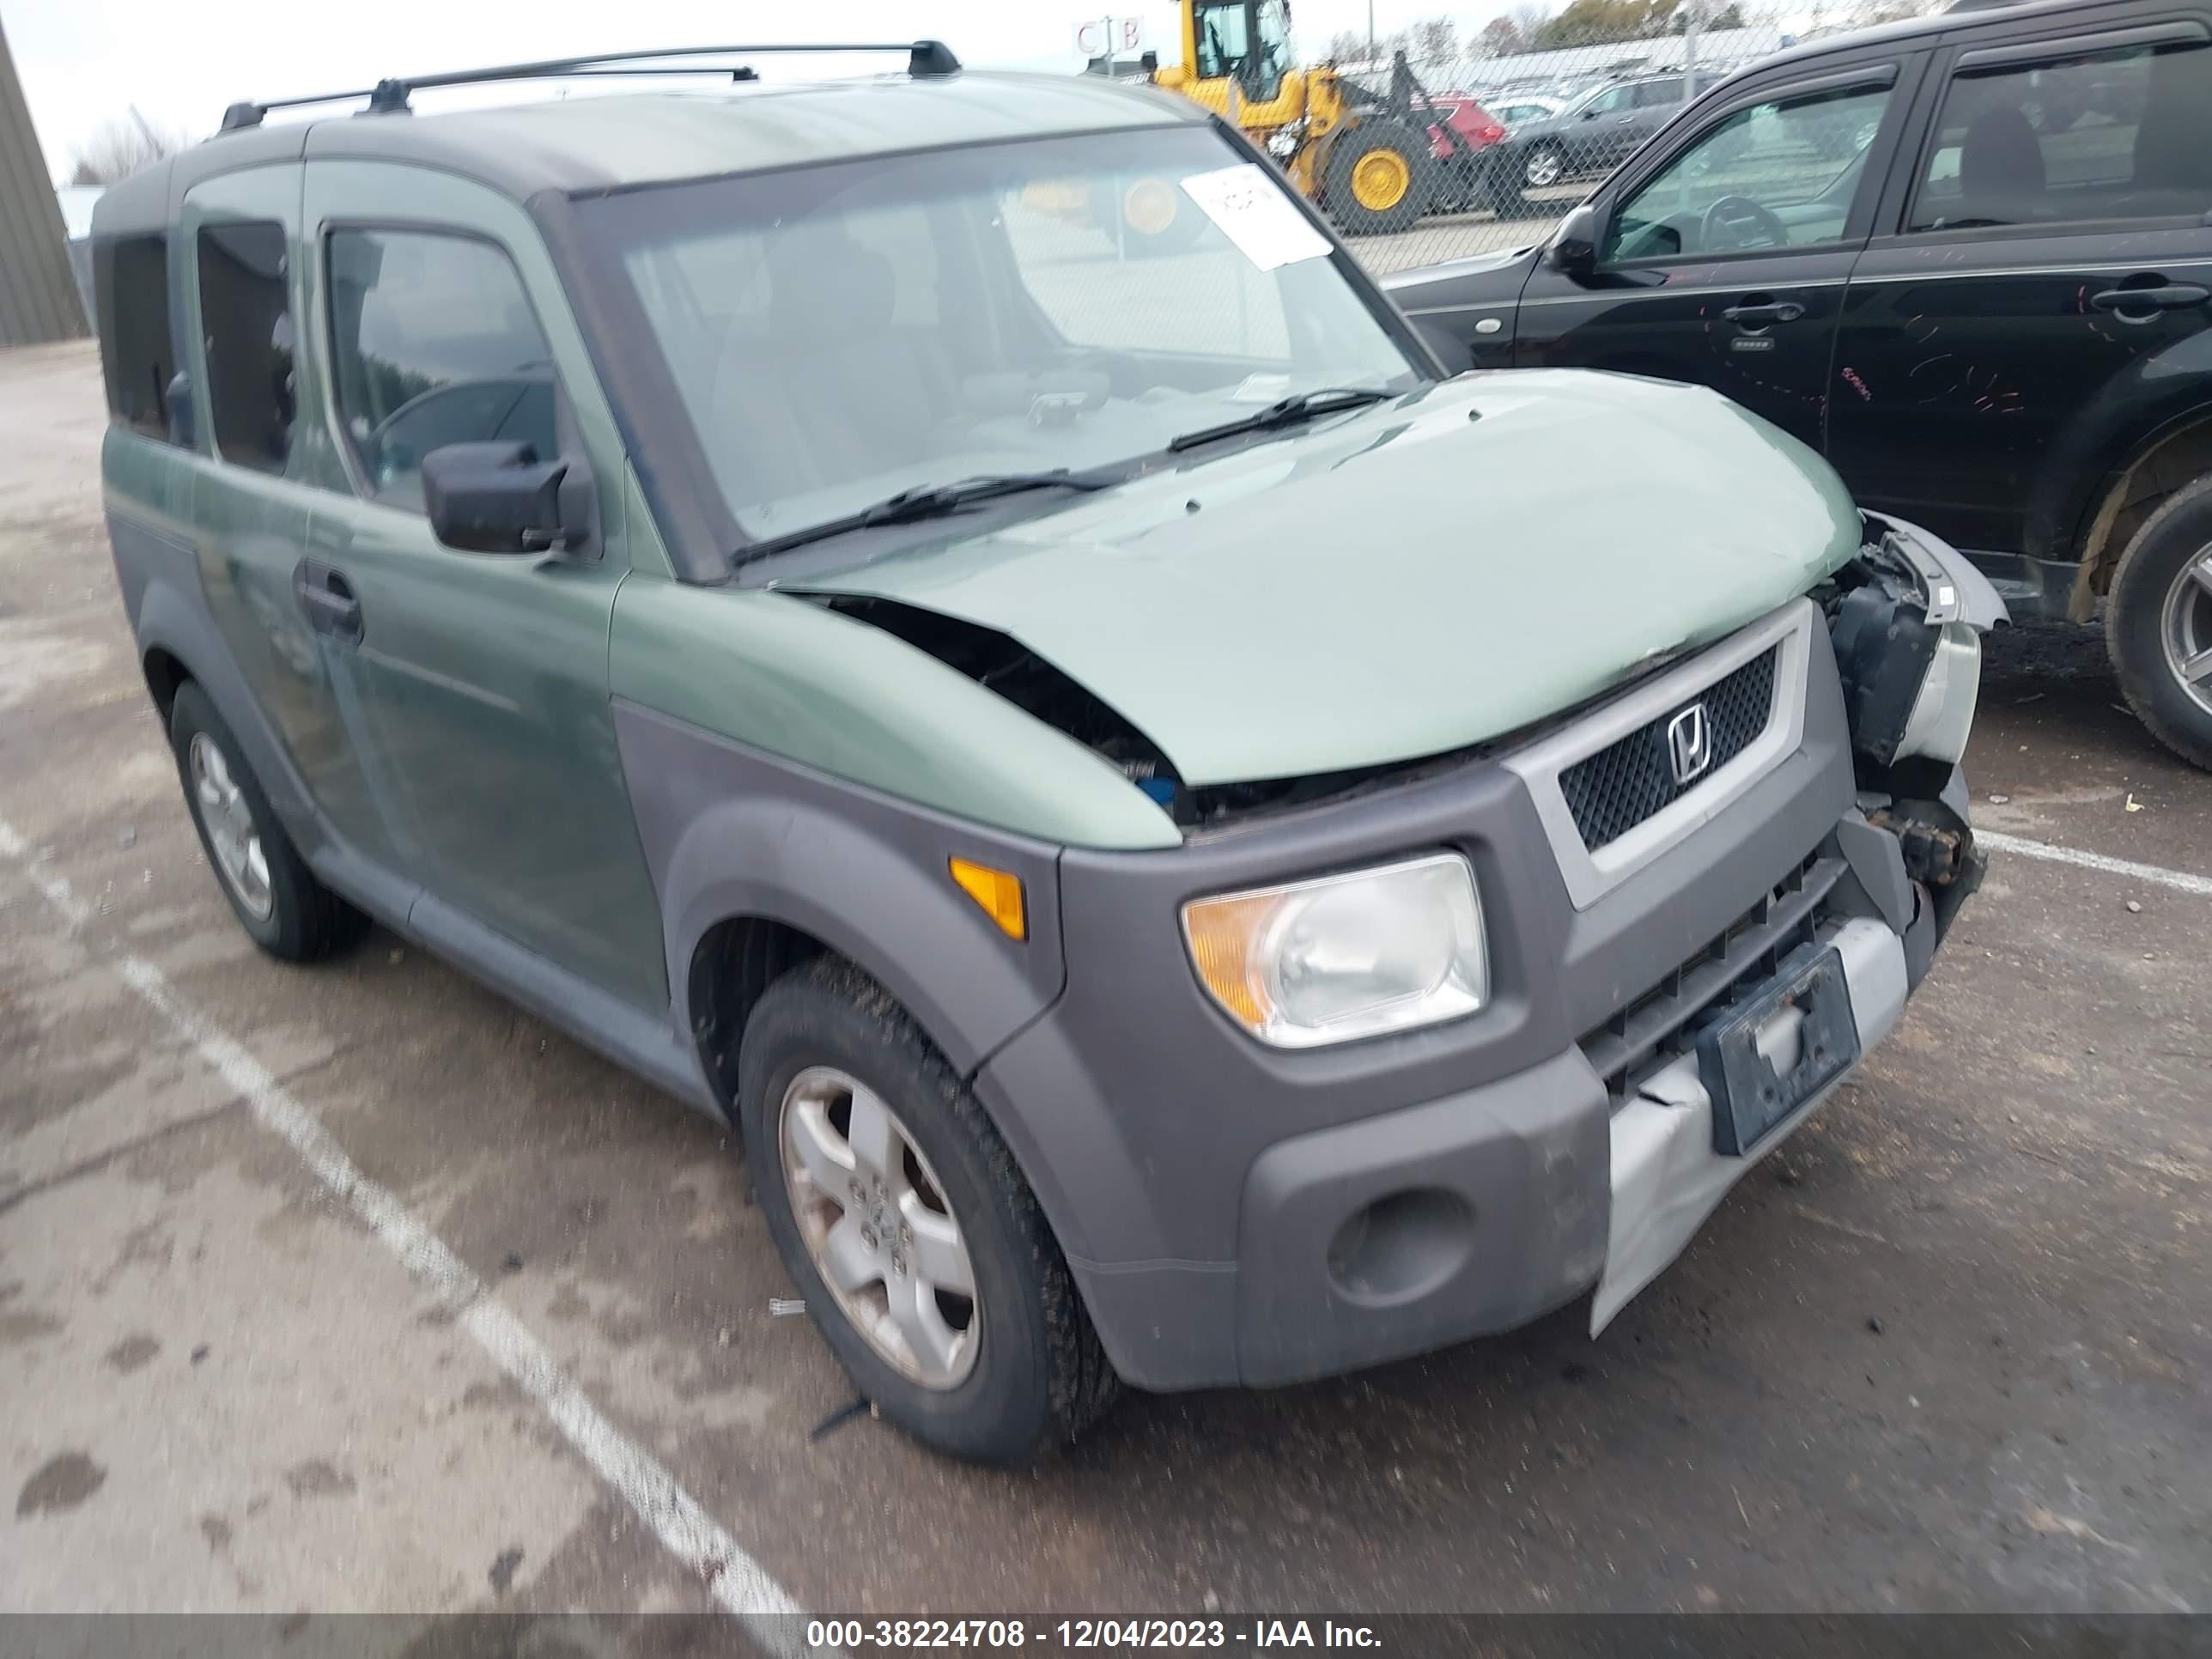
(1237, 1214)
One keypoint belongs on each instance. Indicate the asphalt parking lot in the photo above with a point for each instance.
(356, 1288)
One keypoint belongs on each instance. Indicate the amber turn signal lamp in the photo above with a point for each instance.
(1000, 893)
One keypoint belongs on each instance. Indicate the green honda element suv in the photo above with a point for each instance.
(943, 620)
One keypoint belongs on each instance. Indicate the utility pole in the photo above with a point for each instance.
(1371, 31)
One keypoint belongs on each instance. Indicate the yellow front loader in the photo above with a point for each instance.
(1365, 158)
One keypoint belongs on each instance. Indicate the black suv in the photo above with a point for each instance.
(1969, 258)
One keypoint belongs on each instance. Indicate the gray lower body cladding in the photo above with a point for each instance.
(1242, 1215)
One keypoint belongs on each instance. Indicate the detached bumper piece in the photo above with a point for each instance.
(1669, 1171)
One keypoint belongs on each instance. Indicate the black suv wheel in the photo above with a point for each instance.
(899, 1214)
(2159, 623)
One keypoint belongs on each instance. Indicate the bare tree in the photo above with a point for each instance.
(119, 147)
(1432, 40)
(1346, 46)
(1501, 37)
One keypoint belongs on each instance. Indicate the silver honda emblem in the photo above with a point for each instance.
(1690, 744)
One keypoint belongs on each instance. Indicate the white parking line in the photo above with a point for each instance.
(2180, 880)
(739, 1582)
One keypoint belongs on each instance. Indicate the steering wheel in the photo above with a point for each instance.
(1734, 222)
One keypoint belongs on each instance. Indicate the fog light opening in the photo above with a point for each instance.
(1402, 1246)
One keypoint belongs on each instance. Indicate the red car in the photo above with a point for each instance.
(1473, 127)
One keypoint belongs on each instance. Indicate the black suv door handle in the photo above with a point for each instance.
(1763, 311)
(326, 597)
(2170, 297)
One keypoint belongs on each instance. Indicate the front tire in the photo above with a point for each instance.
(2157, 624)
(899, 1214)
(1381, 178)
(271, 891)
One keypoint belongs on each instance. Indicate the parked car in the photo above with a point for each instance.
(1594, 132)
(1460, 181)
(1473, 127)
(1016, 733)
(1519, 111)
(1988, 308)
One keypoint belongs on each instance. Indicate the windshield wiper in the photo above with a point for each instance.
(1287, 411)
(931, 502)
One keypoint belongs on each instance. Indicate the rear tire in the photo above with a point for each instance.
(1381, 179)
(2158, 623)
(1024, 1370)
(277, 899)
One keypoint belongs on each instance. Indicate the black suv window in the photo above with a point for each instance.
(434, 342)
(2124, 133)
(1781, 173)
(246, 317)
(1658, 94)
(131, 289)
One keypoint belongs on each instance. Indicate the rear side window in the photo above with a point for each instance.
(130, 290)
(2124, 133)
(1658, 94)
(434, 342)
(245, 314)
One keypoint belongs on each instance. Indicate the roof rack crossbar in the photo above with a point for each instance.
(924, 58)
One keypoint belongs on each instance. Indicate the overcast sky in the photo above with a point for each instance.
(179, 62)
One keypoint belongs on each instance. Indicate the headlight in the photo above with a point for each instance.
(1343, 956)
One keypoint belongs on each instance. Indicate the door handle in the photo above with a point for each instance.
(2168, 296)
(326, 598)
(1759, 313)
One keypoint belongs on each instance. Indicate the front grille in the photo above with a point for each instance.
(1628, 781)
(1646, 1034)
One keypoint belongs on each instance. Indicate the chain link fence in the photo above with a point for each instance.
(1523, 124)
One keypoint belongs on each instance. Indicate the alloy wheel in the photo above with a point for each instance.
(876, 1225)
(226, 815)
(2186, 628)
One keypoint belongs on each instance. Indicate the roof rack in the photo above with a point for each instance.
(390, 97)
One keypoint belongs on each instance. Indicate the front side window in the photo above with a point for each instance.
(2120, 134)
(839, 333)
(1613, 101)
(130, 292)
(245, 320)
(433, 343)
(1781, 173)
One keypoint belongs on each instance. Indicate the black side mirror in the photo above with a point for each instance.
(501, 498)
(1574, 244)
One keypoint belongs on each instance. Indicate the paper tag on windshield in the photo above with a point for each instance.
(1253, 213)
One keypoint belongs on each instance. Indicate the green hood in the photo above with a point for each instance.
(1419, 577)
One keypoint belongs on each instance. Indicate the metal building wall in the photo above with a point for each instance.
(38, 294)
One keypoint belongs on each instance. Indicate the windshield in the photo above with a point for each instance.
(1236, 36)
(837, 334)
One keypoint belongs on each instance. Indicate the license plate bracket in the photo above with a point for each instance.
(1750, 1096)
